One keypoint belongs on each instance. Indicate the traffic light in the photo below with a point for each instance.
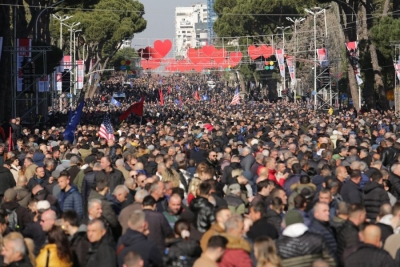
(65, 81)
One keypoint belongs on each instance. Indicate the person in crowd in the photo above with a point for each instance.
(374, 196)
(274, 214)
(38, 179)
(233, 198)
(260, 225)
(174, 210)
(320, 225)
(110, 174)
(127, 211)
(135, 239)
(265, 252)
(133, 259)
(69, 197)
(57, 251)
(215, 250)
(100, 253)
(202, 208)
(15, 252)
(351, 192)
(19, 217)
(370, 252)
(182, 249)
(300, 246)
(222, 214)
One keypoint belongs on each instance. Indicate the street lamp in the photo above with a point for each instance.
(75, 73)
(283, 50)
(61, 19)
(317, 11)
(40, 14)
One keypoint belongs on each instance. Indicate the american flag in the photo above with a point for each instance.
(236, 98)
(106, 130)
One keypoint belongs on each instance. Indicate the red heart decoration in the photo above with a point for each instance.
(155, 54)
(194, 55)
(150, 64)
(219, 55)
(198, 68)
(266, 51)
(253, 52)
(208, 50)
(163, 47)
(147, 52)
(234, 58)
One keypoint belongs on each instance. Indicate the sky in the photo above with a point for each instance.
(160, 16)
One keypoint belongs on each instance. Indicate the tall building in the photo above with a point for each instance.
(212, 17)
(191, 28)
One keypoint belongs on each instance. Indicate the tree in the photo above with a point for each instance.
(103, 30)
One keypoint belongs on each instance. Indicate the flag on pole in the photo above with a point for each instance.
(106, 130)
(236, 98)
(196, 96)
(169, 89)
(73, 121)
(115, 102)
(160, 92)
(136, 108)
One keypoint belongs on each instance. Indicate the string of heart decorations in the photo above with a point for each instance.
(198, 59)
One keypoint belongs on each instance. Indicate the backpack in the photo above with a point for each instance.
(12, 220)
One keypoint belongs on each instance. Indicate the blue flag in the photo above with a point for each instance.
(177, 87)
(160, 82)
(115, 102)
(73, 121)
(205, 98)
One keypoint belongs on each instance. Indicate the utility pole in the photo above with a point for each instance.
(317, 11)
(61, 19)
(283, 50)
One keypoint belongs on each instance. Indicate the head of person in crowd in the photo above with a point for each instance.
(102, 187)
(265, 252)
(357, 214)
(141, 180)
(279, 192)
(216, 247)
(96, 230)
(321, 212)
(157, 190)
(257, 211)
(355, 176)
(13, 250)
(133, 259)
(149, 203)
(121, 193)
(175, 204)
(137, 222)
(64, 181)
(48, 220)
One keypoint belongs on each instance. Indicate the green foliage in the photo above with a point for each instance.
(124, 54)
(387, 29)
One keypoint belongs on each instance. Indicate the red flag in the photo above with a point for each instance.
(10, 141)
(169, 89)
(136, 108)
(196, 95)
(161, 97)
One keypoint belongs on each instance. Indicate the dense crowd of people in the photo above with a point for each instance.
(203, 184)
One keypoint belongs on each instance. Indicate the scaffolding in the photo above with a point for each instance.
(211, 18)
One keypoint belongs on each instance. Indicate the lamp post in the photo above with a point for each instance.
(283, 50)
(317, 11)
(61, 19)
(40, 14)
(74, 59)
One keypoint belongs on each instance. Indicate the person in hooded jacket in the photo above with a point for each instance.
(181, 249)
(135, 239)
(69, 197)
(10, 204)
(273, 215)
(374, 196)
(202, 208)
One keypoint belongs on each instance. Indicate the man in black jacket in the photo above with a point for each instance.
(348, 233)
(38, 179)
(100, 254)
(22, 214)
(394, 178)
(370, 252)
(135, 239)
(374, 196)
(320, 225)
(113, 176)
(6, 180)
(389, 153)
(260, 225)
(351, 192)
(203, 210)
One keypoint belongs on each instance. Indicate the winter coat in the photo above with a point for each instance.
(237, 253)
(73, 172)
(108, 212)
(71, 200)
(326, 231)
(125, 214)
(292, 180)
(299, 247)
(215, 229)
(22, 263)
(395, 180)
(388, 156)
(80, 245)
(262, 228)
(230, 171)
(101, 254)
(235, 204)
(79, 178)
(24, 215)
(87, 183)
(35, 232)
(113, 178)
(204, 213)
(275, 219)
(159, 228)
(374, 197)
(367, 255)
(6, 180)
(190, 249)
(135, 241)
(50, 251)
(29, 172)
(351, 193)
(347, 237)
(23, 196)
(247, 162)
(34, 181)
(296, 190)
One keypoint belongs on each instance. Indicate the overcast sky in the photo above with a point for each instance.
(160, 16)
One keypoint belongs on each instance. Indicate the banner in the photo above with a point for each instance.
(281, 61)
(323, 57)
(43, 84)
(1, 46)
(67, 63)
(80, 75)
(353, 55)
(73, 121)
(292, 69)
(59, 81)
(23, 48)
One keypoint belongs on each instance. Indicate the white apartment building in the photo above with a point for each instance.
(190, 28)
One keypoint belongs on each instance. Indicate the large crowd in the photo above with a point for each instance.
(201, 183)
